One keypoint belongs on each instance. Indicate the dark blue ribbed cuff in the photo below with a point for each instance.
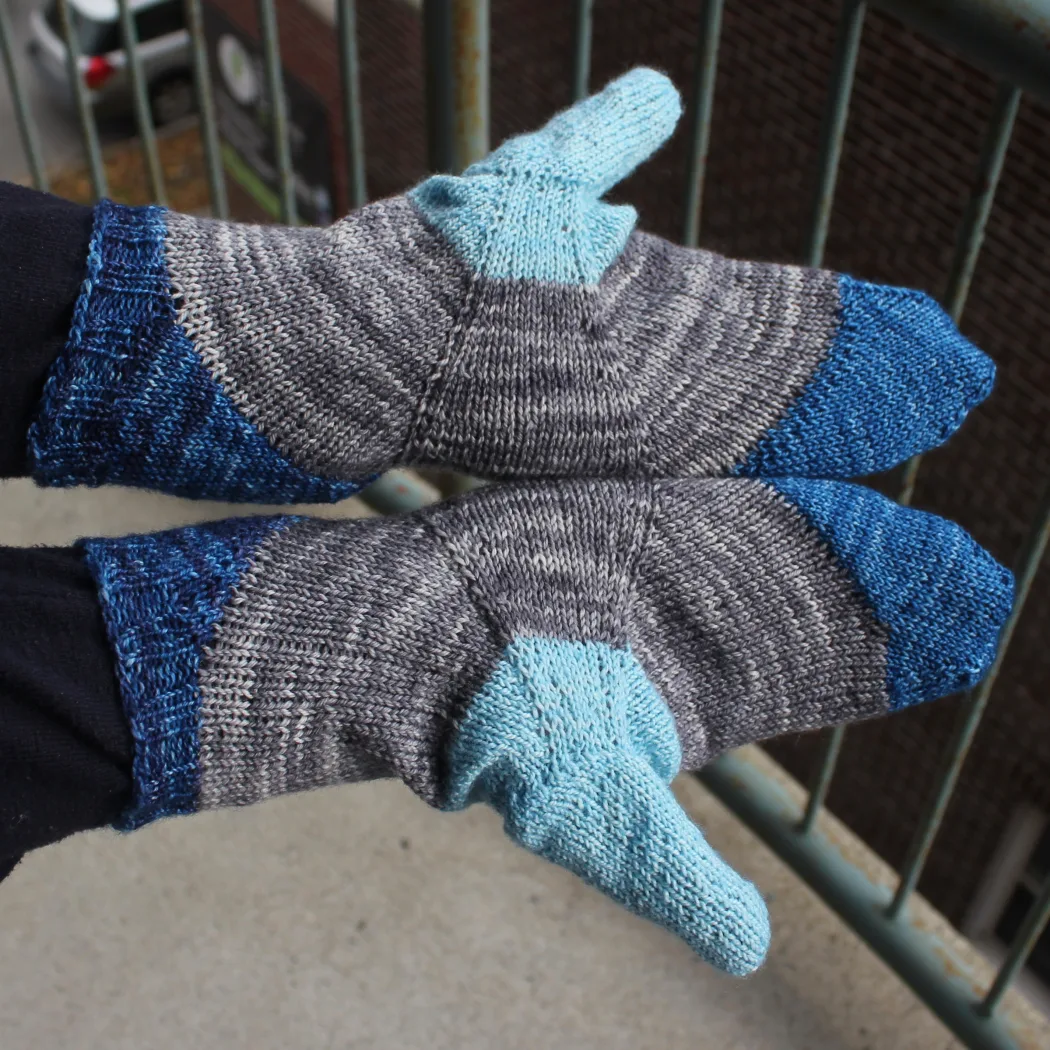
(162, 596)
(129, 401)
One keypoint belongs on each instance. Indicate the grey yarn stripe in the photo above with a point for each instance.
(350, 649)
(341, 657)
(747, 624)
(743, 619)
(718, 348)
(369, 343)
(677, 363)
(323, 338)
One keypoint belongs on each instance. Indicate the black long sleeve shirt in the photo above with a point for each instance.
(65, 747)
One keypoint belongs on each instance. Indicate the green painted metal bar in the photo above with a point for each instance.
(470, 65)
(1008, 38)
(830, 758)
(964, 259)
(456, 49)
(844, 67)
(26, 124)
(832, 132)
(979, 206)
(971, 231)
(353, 124)
(456, 52)
(929, 966)
(581, 65)
(700, 124)
(470, 78)
(85, 111)
(282, 148)
(462, 29)
(399, 492)
(909, 476)
(1031, 930)
(970, 715)
(440, 105)
(209, 125)
(140, 100)
(818, 792)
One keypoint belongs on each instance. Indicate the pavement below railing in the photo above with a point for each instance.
(358, 917)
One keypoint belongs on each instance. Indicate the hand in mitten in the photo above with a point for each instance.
(557, 651)
(507, 322)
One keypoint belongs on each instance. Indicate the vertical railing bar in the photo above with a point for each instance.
(143, 116)
(968, 245)
(970, 716)
(26, 124)
(964, 259)
(700, 125)
(470, 79)
(437, 49)
(85, 113)
(844, 66)
(971, 231)
(832, 133)
(469, 64)
(818, 793)
(282, 150)
(581, 64)
(909, 476)
(1021, 947)
(990, 167)
(206, 107)
(353, 125)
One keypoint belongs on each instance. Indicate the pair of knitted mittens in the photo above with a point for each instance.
(674, 572)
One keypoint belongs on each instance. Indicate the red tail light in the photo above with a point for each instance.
(97, 71)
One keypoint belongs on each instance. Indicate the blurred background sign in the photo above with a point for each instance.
(243, 106)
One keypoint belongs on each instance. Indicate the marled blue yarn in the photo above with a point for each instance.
(161, 596)
(130, 402)
(942, 598)
(894, 346)
(571, 744)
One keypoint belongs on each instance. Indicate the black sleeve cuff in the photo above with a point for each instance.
(43, 256)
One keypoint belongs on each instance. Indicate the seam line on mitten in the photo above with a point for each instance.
(417, 438)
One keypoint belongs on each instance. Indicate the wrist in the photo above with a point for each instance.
(130, 401)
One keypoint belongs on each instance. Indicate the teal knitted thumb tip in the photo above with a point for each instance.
(570, 743)
(602, 139)
(618, 827)
(599, 140)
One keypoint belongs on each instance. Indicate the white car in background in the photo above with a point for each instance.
(164, 49)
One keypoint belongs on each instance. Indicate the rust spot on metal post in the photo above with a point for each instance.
(470, 70)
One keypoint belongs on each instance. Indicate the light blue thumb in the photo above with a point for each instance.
(571, 744)
(600, 140)
(531, 209)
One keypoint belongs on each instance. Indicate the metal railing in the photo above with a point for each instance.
(1009, 38)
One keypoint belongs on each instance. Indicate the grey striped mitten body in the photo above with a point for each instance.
(506, 322)
(557, 651)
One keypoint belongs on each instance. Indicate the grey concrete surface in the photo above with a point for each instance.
(357, 917)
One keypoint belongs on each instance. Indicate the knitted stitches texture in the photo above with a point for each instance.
(539, 647)
(506, 322)
(163, 594)
(901, 558)
(130, 402)
(893, 347)
(571, 743)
